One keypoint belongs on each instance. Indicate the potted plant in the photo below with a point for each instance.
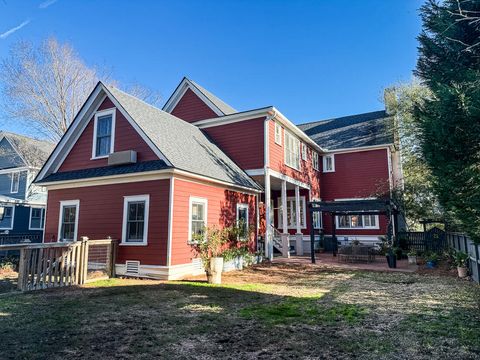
(431, 260)
(388, 249)
(210, 246)
(461, 259)
(412, 257)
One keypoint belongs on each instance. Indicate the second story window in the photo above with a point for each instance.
(315, 160)
(104, 131)
(278, 134)
(304, 152)
(15, 183)
(292, 151)
(329, 163)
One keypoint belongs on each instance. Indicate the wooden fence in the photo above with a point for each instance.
(463, 243)
(48, 265)
(434, 240)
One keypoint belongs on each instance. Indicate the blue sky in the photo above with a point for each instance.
(311, 59)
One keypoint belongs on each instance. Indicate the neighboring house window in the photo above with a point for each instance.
(242, 221)
(37, 218)
(292, 151)
(292, 213)
(103, 137)
(135, 220)
(329, 163)
(315, 160)
(68, 220)
(304, 152)
(7, 221)
(15, 182)
(357, 222)
(198, 217)
(278, 134)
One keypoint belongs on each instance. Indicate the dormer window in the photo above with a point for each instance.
(103, 134)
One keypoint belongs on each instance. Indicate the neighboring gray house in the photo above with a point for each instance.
(21, 158)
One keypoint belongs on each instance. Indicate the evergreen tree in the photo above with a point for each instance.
(449, 121)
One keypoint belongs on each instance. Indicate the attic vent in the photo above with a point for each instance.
(122, 157)
(132, 267)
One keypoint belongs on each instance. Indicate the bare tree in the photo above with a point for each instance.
(44, 87)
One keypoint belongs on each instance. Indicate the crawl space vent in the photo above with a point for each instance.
(132, 267)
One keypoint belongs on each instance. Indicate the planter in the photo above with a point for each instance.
(228, 265)
(412, 260)
(214, 271)
(392, 261)
(462, 271)
(431, 264)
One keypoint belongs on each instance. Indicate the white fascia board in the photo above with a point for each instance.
(289, 179)
(358, 149)
(233, 118)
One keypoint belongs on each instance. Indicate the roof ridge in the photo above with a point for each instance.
(342, 117)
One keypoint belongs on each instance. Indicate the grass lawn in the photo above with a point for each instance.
(265, 312)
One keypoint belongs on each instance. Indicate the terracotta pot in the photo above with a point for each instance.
(462, 271)
(214, 271)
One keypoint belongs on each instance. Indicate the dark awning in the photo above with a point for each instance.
(354, 207)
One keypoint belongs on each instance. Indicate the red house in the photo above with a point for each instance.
(152, 177)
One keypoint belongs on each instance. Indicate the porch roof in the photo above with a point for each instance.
(354, 207)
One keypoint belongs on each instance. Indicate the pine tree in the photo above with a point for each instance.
(449, 64)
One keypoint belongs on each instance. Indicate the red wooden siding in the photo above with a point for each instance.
(191, 108)
(360, 174)
(101, 215)
(241, 141)
(126, 138)
(222, 207)
(306, 174)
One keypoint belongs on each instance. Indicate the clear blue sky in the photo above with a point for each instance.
(310, 59)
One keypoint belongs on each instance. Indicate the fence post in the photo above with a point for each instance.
(21, 269)
(85, 259)
(477, 264)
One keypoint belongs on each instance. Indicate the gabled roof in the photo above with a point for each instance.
(362, 130)
(217, 105)
(33, 152)
(181, 145)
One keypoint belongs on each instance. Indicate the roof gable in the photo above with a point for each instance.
(219, 107)
(19, 150)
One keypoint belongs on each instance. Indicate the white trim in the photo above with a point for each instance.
(363, 227)
(266, 144)
(289, 179)
(13, 218)
(324, 162)
(304, 217)
(18, 182)
(126, 200)
(296, 144)
(197, 200)
(278, 136)
(170, 220)
(98, 114)
(358, 149)
(255, 172)
(10, 170)
(162, 272)
(42, 217)
(63, 203)
(246, 207)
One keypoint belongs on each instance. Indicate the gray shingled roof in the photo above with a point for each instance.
(221, 105)
(368, 129)
(106, 171)
(184, 145)
(34, 152)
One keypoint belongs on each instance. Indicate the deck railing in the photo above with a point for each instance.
(58, 264)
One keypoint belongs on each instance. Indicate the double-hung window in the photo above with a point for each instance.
(292, 213)
(278, 134)
(315, 160)
(135, 220)
(357, 222)
(68, 220)
(242, 221)
(103, 138)
(7, 222)
(198, 218)
(329, 163)
(292, 151)
(15, 184)
(37, 218)
(304, 152)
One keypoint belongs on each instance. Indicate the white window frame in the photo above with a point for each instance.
(64, 203)
(42, 218)
(304, 151)
(197, 200)
(13, 218)
(293, 210)
(17, 182)
(98, 114)
(243, 206)
(278, 133)
(317, 218)
(126, 200)
(315, 160)
(363, 227)
(296, 145)
(324, 158)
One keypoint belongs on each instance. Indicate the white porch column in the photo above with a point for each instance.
(284, 207)
(268, 227)
(299, 235)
